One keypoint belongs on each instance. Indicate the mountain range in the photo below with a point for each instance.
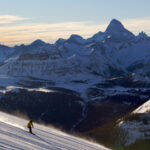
(78, 84)
(107, 54)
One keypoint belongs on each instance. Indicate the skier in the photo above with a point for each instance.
(30, 126)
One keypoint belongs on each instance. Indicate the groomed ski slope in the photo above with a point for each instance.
(14, 136)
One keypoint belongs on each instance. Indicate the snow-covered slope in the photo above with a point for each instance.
(137, 124)
(145, 108)
(14, 135)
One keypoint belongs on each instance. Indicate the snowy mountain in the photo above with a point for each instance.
(104, 77)
(106, 54)
(113, 53)
(14, 135)
(117, 32)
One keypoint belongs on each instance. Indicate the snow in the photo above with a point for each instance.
(14, 135)
(15, 89)
(145, 108)
(89, 60)
(138, 128)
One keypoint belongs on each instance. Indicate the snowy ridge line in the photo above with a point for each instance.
(145, 108)
(14, 135)
(15, 89)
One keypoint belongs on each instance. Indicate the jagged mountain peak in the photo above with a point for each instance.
(142, 35)
(115, 25)
(60, 41)
(76, 39)
(118, 32)
(115, 31)
(38, 43)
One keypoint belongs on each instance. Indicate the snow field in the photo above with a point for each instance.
(14, 135)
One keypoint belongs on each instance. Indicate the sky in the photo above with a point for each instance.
(25, 21)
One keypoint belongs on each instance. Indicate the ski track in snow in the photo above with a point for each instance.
(14, 136)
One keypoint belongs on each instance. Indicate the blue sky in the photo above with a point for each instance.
(24, 21)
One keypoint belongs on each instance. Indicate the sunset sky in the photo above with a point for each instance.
(25, 21)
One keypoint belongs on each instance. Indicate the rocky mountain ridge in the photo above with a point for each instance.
(106, 76)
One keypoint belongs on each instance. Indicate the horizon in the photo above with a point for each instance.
(25, 22)
(30, 42)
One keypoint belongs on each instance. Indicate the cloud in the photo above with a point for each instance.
(138, 25)
(6, 19)
(26, 33)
